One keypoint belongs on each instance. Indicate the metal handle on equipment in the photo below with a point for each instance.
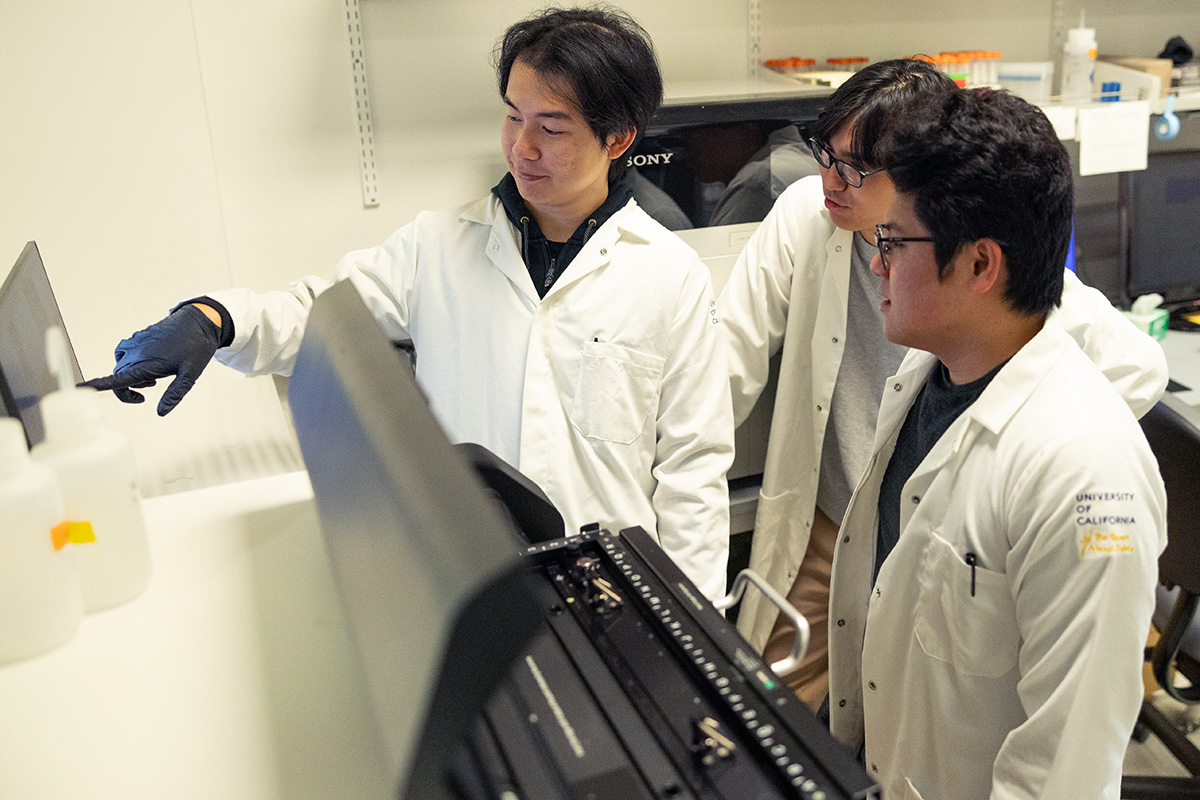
(800, 645)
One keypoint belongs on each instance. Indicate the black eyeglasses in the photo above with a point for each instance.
(853, 176)
(883, 242)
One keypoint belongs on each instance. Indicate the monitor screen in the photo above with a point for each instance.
(716, 157)
(27, 310)
(428, 567)
(1161, 208)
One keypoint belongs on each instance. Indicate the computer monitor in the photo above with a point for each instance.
(1160, 207)
(27, 310)
(428, 567)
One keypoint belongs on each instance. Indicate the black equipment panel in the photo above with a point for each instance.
(636, 687)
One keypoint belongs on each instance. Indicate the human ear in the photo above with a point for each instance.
(987, 263)
(618, 143)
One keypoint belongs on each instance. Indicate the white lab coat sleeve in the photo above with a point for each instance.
(268, 326)
(1087, 519)
(1133, 362)
(754, 304)
(694, 446)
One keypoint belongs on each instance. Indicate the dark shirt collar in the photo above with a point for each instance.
(514, 206)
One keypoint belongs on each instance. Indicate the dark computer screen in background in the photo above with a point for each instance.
(1161, 226)
(27, 310)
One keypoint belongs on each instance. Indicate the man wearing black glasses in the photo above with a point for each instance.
(994, 579)
(803, 288)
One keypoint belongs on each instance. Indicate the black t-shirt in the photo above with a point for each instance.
(938, 404)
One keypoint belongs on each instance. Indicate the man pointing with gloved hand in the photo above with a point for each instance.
(555, 322)
(181, 344)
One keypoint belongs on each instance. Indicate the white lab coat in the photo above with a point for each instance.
(789, 289)
(610, 393)
(1029, 686)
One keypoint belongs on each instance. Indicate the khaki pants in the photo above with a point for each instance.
(809, 594)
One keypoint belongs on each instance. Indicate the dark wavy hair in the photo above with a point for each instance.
(871, 97)
(602, 54)
(982, 164)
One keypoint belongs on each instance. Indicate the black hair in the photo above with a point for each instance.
(870, 97)
(602, 54)
(987, 164)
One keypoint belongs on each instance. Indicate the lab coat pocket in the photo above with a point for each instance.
(965, 614)
(615, 391)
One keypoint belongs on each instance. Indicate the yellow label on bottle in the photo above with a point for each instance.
(80, 532)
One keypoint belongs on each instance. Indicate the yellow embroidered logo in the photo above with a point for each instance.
(1097, 542)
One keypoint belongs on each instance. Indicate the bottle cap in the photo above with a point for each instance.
(14, 455)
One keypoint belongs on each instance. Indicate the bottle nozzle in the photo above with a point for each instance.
(58, 358)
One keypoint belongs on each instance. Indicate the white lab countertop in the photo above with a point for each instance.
(1183, 363)
(232, 676)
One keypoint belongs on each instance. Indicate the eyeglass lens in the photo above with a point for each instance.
(851, 175)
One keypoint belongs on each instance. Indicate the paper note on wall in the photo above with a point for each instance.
(1113, 137)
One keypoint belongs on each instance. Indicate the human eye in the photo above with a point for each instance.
(552, 132)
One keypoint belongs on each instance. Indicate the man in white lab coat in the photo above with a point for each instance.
(994, 576)
(802, 288)
(554, 322)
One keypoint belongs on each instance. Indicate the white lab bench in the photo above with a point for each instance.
(232, 676)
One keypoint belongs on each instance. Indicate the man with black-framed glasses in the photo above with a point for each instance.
(851, 175)
(994, 578)
(803, 288)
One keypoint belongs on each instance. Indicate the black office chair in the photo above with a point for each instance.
(1173, 430)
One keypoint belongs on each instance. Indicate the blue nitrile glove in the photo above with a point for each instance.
(182, 344)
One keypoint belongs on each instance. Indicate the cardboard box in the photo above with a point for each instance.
(1154, 66)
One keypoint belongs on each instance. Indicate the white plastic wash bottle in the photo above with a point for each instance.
(96, 472)
(1079, 65)
(40, 603)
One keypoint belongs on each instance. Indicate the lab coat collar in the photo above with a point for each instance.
(1015, 382)
(625, 223)
(1003, 397)
(504, 249)
(503, 245)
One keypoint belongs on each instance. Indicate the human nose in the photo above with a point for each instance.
(523, 145)
(877, 265)
(831, 179)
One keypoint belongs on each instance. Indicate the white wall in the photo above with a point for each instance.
(157, 149)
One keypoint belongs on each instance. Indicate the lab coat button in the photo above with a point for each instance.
(871, 685)
(818, 408)
(846, 540)
(874, 768)
(835, 340)
(838, 249)
(841, 703)
(897, 387)
(841, 623)
(916, 499)
(603, 251)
